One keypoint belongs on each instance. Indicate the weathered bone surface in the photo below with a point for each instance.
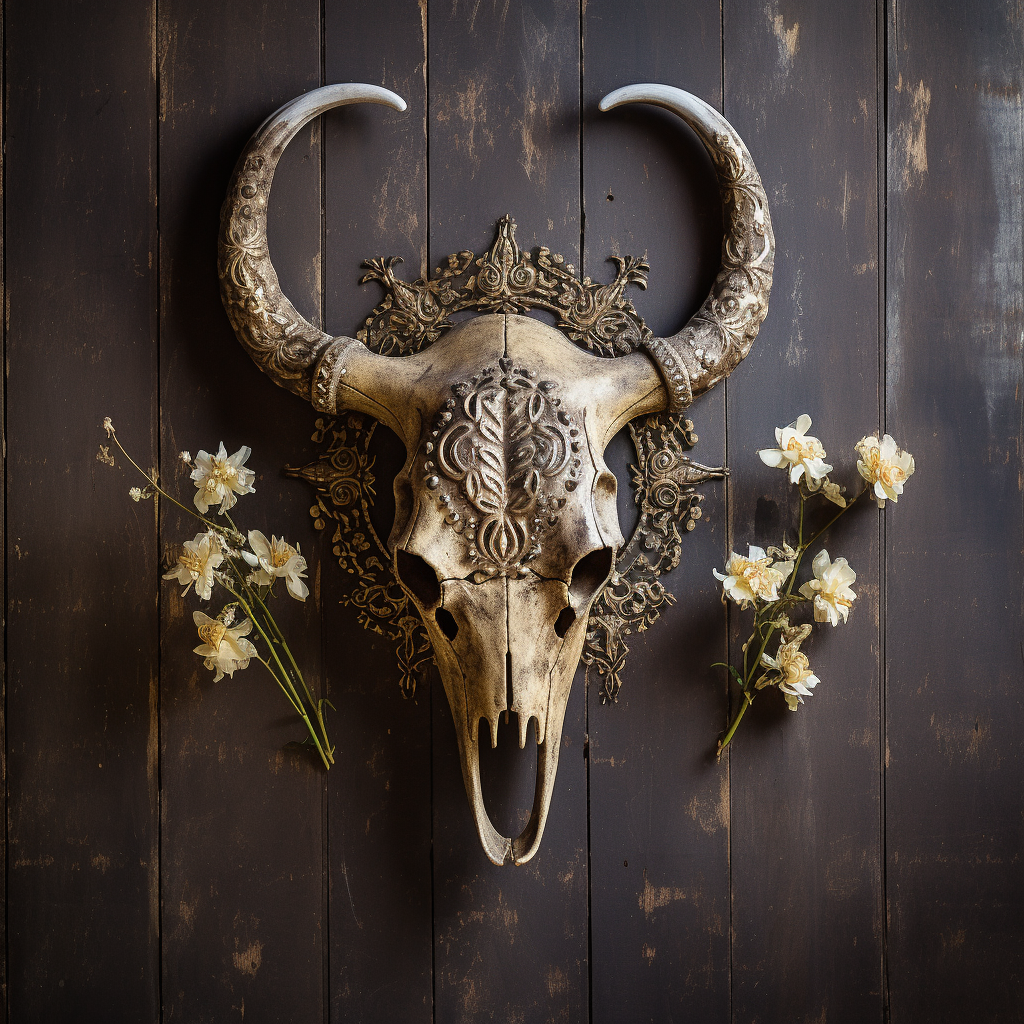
(506, 528)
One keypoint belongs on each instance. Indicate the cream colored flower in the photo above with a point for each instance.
(799, 453)
(185, 457)
(135, 493)
(830, 588)
(224, 648)
(278, 558)
(108, 426)
(795, 678)
(884, 466)
(754, 577)
(196, 564)
(218, 478)
(833, 492)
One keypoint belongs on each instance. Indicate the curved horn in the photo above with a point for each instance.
(286, 346)
(721, 332)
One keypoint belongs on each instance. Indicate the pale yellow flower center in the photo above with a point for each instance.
(881, 469)
(757, 574)
(193, 562)
(279, 556)
(793, 665)
(805, 448)
(212, 633)
(222, 474)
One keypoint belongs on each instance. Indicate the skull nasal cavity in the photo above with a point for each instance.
(588, 575)
(418, 578)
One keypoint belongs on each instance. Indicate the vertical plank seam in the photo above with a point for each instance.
(728, 611)
(3, 342)
(325, 800)
(431, 674)
(586, 674)
(882, 185)
(156, 242)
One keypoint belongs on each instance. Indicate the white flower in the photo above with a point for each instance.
(218, 478)
(754, 577)
(799, 453)
(196, 564)
(278, 558)
(108, 426)
(884, 466)
(135, 493)
(830, 588)
(223, 649)
(833, 492)
(795, 680)
(185, 457)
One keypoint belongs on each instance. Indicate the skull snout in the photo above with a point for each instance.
(507, 645)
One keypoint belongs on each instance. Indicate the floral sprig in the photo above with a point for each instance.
(246, 566)
(765, 580)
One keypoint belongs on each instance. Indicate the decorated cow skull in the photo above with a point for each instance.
(506, 527)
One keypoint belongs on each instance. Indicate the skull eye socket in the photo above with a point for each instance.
(446, 622)
(418, 578)
(588, 576)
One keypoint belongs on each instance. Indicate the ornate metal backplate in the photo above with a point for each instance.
(594, 316)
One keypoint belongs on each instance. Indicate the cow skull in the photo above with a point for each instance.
(506, 526)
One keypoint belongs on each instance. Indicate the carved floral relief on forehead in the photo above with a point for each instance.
(500, 457)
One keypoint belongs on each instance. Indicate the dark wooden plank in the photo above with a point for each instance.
(800, 87)
(954, 711)
(243, 891)
(3, 553)
(379, 791)
(83, 910)
(503, 125)
(659, 803)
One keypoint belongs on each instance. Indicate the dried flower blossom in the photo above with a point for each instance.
(830, 589)
(108, 426)
(795, 678)
(224, 648)
(276, 558)
(218, 478)
(196, 564)
(754, 577)
(798, 453)
(884, 466)
(833, 492)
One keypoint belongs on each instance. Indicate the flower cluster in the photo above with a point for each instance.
(765, 580)
(245, 566)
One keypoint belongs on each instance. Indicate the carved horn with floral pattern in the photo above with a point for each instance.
(721, 332)
(286, 346)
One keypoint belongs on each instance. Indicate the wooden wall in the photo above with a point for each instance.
(859, 861)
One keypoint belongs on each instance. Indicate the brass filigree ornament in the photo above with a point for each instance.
(508, 404)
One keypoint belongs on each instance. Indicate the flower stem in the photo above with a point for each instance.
(747, 700)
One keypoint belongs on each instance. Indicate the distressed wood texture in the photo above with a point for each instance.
(659, 804)
(379, 791)
(242, 843)
(168, 858)
(954, 706)
(504, 138)
(800, 87)
(81, 628)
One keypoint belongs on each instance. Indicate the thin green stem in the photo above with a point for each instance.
(838, 515)
(747, 700)
(285, 677)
